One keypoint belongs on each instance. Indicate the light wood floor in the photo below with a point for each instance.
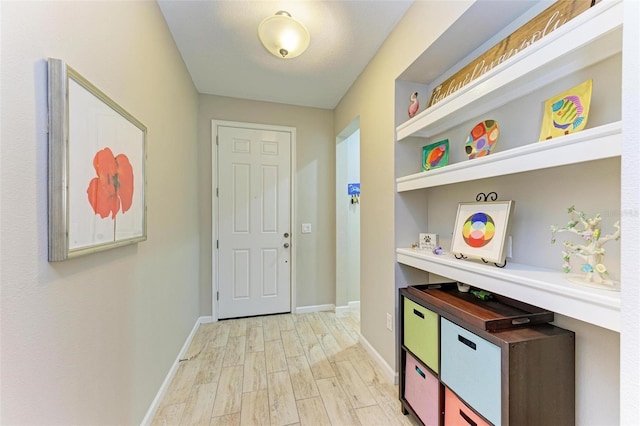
(305, 369)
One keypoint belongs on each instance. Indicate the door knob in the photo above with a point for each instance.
(286, 235)
(286, 245)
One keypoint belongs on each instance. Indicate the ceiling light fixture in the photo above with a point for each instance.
(283, 36)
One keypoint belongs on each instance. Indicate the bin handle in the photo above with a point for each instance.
(467, 342)
(467, 418)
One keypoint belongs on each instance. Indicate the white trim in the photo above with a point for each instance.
(390, 372)
(315, 308)
(341, 286)
(214, 219)
(214, 205)
(155, 404)
(342, 309)
(351, 306)
(292, 218)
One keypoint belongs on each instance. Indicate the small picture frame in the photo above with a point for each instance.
(97, 178)
(435, 155)
(427, 241)
(481, 230)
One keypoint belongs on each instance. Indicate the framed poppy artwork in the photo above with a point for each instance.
(481, 230)
(566, 112)
(435, 155)
(97, 180)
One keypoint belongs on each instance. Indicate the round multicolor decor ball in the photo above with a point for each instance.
(482, 139)
(478, 230)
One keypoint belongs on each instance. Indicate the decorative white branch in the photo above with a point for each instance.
(591, 253)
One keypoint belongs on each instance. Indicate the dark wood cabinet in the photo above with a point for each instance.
(520, 375)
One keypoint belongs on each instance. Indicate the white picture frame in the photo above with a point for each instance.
(97, 174)
(481, 230)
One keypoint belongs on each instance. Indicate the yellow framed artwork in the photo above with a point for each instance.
(567, 112)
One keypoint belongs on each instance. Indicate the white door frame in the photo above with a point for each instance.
(214, 205)
(342, 293)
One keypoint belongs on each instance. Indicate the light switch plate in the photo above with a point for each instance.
(306, 228)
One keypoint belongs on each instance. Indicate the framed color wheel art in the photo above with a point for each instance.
(481, 230)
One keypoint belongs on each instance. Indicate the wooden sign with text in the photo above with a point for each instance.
(543, 24)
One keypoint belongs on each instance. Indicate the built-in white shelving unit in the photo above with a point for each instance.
(538, 286)
(589, 38)
(571, 149)
(585, 40)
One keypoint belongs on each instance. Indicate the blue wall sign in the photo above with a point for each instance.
(353, 188)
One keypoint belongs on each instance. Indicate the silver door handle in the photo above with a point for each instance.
(286, 245)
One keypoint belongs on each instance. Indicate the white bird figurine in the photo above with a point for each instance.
(413, 107)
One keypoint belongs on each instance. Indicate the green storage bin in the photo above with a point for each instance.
(421, 333)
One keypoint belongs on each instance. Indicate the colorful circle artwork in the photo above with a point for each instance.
(482, 139)
(568, 111)
(435, 157)
(478, 230)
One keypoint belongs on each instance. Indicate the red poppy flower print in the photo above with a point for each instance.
(113, 188)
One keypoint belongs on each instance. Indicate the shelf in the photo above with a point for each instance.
(574, 148)
(589, 38)
(541, 287)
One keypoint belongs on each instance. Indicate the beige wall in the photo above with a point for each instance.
(314, 190)
(372, 98)
(90, 340)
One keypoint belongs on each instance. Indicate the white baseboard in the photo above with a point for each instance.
(206, 320)
(314, 308)
(390, 372)
(342, 309)
(350, 307)
(153, 408)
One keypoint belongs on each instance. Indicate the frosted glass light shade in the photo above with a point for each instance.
(283, 36)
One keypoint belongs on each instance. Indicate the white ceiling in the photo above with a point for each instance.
(219, 44)
(498, 18)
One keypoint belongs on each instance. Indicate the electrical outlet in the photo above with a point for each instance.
(389, 322)
(510, 247)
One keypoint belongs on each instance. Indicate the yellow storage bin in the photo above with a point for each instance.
(421, 333)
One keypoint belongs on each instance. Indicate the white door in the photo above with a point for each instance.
(254, 232)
